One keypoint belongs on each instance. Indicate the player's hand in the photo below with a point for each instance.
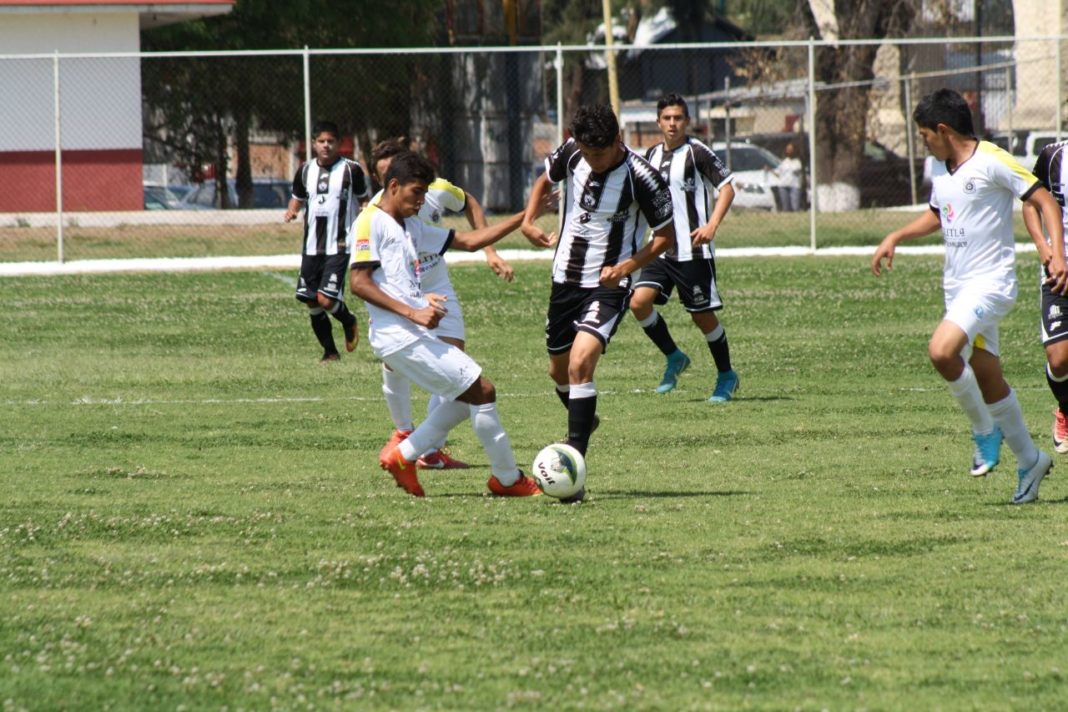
(500, 267)
(430, 315)
(536, 236)
(289, 216)
(1057, 279)
(703, 235)
(885, 250)
(611, 276)
(547, 204)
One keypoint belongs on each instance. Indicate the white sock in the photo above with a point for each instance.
(1009, 417)
(398, 392)
(966, 390)
(433, 402)
(715, 335)
(437, 425)
(487, 424)
(649, 320)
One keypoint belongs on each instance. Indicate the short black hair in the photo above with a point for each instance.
(944, 106)
(595, 126)
(672, 100)
(322, 127)
(409, 167)
(388, 149)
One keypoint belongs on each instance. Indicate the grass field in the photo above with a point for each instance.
(194, 519)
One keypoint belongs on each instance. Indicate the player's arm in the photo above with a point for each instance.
(297, 197)
(364, 287)
(924, 224)
(1032, 218)
(540, 194)
(1042, 202)
(293, 209)
(476, 218)
(707, 232)
(662, 240)
(474, 240)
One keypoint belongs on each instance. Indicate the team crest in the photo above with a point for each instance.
(969, 187)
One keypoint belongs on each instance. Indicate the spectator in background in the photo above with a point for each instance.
(791, 178)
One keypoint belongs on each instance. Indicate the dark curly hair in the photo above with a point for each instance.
(944, 106)
(408, 167)
(595, 126)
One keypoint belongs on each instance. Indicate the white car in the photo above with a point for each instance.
(754, 178)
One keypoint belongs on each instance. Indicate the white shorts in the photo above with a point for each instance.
(978, 310)
(452, 324)
(436, 367)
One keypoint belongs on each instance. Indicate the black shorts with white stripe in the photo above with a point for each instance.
(595, 310)
(324, 274)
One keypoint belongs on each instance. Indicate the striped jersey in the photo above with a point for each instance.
(974, 205)
(331, 195)
(604, 214)
(694, 173)
(1052, 169)
(442, 197)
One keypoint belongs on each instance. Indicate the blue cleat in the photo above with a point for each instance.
(676, 364)
(726, 386)
(1030, 479)
(987, 452)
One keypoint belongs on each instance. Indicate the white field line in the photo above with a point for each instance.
(260, 262)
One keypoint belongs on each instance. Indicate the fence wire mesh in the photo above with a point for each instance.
(177, 155)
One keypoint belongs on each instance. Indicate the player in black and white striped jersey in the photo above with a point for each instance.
(609, 195)
(332, 189)
(1052, 169)
(695, 175)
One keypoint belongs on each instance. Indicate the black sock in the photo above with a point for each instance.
(658, 333)
(580, 415)
(1060, 392)
(342, 313)
(564, 395)
(721, 352)
(320, 324)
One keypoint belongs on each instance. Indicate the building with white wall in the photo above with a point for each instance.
(100, 104)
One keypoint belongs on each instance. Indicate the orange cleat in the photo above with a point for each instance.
(403, 472)
(523, 487)
(440, 460)
(395, 439)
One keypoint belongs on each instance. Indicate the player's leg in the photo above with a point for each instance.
(311, 267)
(945, 350)
(1054, 322)
(331, 297)
(654, 287)
(696, 280)
(397, 390)
(451, 331)
(507, 479)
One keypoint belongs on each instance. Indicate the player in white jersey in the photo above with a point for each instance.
(441, 197)
(387, 275)
(609, 195)
(1052, 169)
(332, 189)
(695, 175)
(973, 184)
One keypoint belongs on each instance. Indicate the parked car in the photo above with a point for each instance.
(158, 197)
(266, 193)
(752, 166)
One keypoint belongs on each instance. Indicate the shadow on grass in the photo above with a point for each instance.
(646, 493)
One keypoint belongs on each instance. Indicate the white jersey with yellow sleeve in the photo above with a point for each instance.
(393, 250)
(974, 204)
(442, 197)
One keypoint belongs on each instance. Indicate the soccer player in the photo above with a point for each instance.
(609, 193)
(973, 184)
(694, 174)
(441, 197)
(332, 190)
(387, 275)
(1052, 170)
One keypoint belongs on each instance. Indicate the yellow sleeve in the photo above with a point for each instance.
(452, 198)
(362, 228)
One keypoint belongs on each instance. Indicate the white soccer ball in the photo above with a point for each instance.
(559, 470)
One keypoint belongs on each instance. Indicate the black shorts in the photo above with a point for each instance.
(1054, 315)
(696, 280)
(323, 274)
(595, 310)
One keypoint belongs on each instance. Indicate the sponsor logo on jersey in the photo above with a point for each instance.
(1054, 311)
(948, 214)
(620, 217)
(689, 186)
(363, 245)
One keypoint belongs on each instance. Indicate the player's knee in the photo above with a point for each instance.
(1058, 364)
(324, 301)
(945, 360)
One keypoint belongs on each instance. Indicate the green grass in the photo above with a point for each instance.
(193, 515)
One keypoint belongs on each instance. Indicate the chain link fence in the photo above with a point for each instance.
(192, 155)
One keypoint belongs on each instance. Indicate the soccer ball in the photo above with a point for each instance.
(559, 470)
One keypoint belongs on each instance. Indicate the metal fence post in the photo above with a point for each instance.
(910, 139)
(1059, 74)
(558, 64)
(307, 106)
(59, 157)
(813, 188)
